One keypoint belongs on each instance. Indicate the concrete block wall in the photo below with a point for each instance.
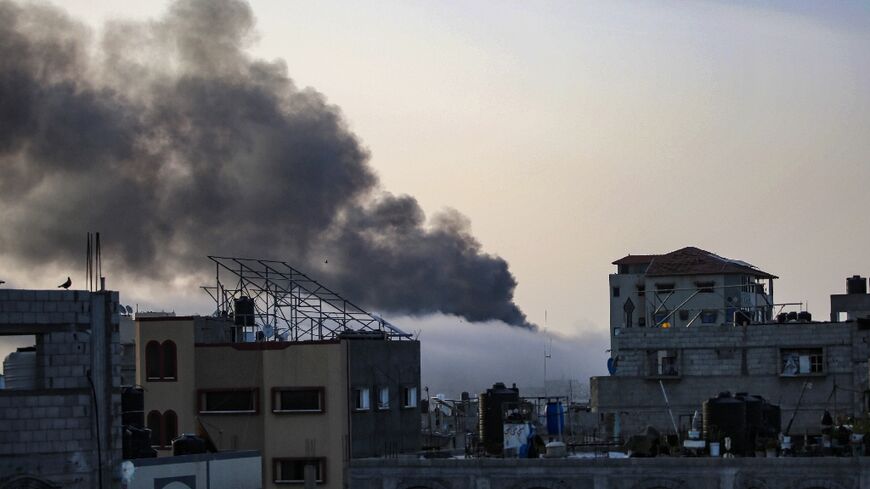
(602, 473)
(50, 432)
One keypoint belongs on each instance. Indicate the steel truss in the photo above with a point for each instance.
(289, 305)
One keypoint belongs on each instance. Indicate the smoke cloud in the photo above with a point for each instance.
(170, 139)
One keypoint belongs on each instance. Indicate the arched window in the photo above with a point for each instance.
(168, 360)
(170, 427)
(155, 421)
(161, 361)
(152, 360)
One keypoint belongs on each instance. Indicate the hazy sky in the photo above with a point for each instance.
(573, 133)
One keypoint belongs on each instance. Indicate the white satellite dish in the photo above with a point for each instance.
(268, 330)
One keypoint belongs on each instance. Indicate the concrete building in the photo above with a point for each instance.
(298, 403)
(60, 416)
(697, 324)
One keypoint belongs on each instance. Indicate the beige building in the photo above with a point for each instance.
(298, 403)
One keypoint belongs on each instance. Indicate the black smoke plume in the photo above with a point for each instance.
(169, 138)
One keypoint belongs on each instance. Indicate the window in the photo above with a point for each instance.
(292, 470)
(802, 361)
(705, 287)
(409, 397)
(297, 400)
(664, 289)
(164, 428)
(663, 363)
(160, 361)
(709, 317)
(384, 398)
(662, 319)
(641, 290)
(361, 399)
(684, 315)
(616, 292)
(228, 401)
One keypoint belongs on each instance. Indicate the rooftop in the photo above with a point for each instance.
(692, 261)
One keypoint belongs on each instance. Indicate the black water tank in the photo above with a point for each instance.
(856, 284)
(136, 443)
(792, 316)
(772, 419)
(244, 311)
(805, 317)
(754, 419)
(491, 410)
(132, 406)
(742, 317)
(726, 415)
(781, 317)
(187, 444)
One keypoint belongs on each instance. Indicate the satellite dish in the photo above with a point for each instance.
(129, 310)
(611, 365)
(284, 336)
(268, 330)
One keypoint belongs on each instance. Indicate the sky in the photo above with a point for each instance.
(573, 133)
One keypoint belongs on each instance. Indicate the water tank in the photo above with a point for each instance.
(856, 284)
(133, 406)
(754, 418)
(725, 416)
(555, 418)
(792, 315)
(805, 317)
(491, 409)
(742, 317)
(772, 419)
(187, 444)
(781, 317)
(136, 443)
(19, 368)
(244, 311)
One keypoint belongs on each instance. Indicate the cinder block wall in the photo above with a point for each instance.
(727, 358)
(50, 432)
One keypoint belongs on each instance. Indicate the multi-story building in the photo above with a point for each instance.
(692, 324)
(320, 403)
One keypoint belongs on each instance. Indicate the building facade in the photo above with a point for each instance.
(703, 324)
(300, 403)
(60, 415)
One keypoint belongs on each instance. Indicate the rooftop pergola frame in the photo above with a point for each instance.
(289, 305)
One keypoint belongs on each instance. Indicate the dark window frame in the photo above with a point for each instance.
(818, 361)
(200, 400)
(156, 357)
(654, 369)
(404, 391)
(616, 291)
(277, 408)
(160, 434)
(276, 462)
(356, 391)
(706, 286)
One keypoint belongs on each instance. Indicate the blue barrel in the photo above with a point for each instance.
(555, 418)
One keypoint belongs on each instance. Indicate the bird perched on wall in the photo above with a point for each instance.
(66, 284)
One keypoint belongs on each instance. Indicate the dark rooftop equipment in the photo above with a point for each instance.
(491, 412)
(133, 406)
(856, 284)
(792, 316)
(725, 416)
(244, 310)
(187, 444)
(781, 317)
(805, 317)
(742, 317)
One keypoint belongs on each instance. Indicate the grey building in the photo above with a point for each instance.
(60, 413)
(694, 324)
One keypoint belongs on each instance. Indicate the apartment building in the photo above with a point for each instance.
(690, 324)
(317, 402)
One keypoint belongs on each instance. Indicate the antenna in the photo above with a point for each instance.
(548, 349)
(94, 263)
